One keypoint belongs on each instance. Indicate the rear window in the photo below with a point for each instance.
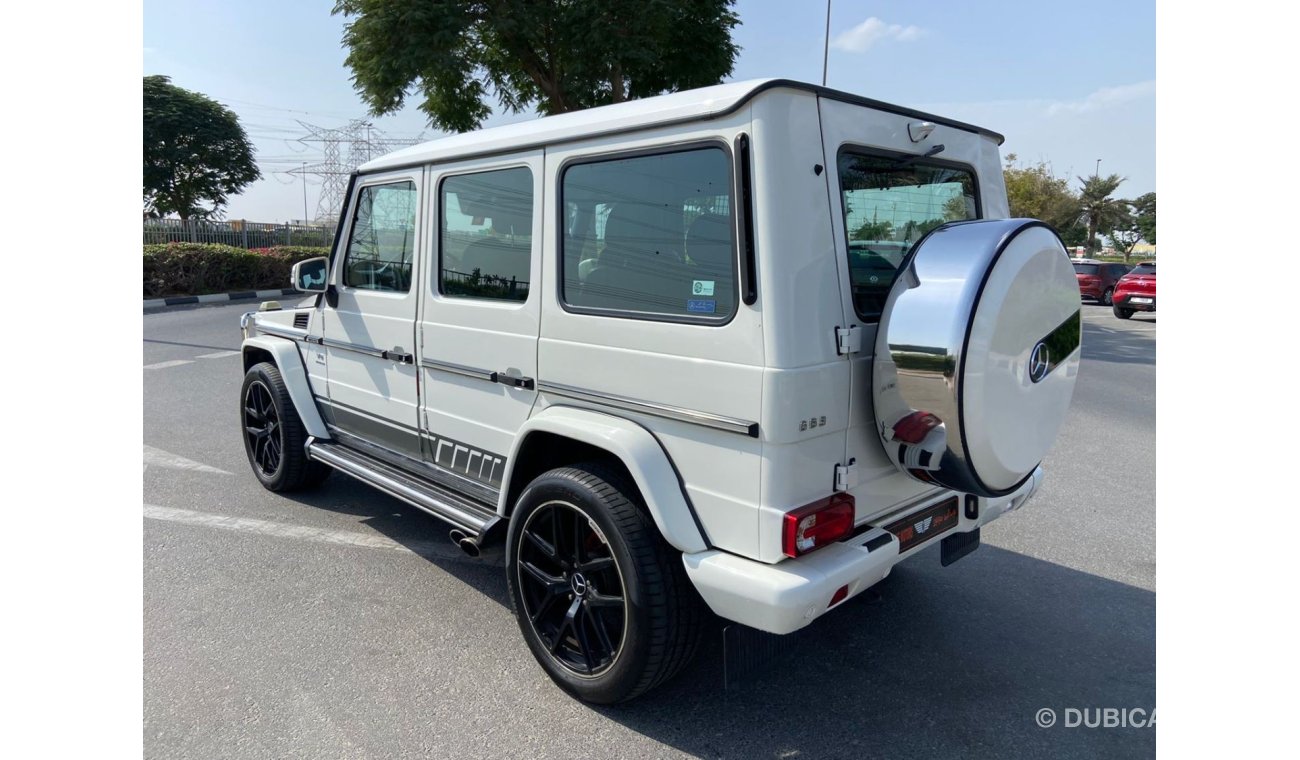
(889, 204)
(1085, 269)
(1144, 269)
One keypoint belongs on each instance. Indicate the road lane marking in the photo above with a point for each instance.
(430, 549)
(160, 458)
(217, 355)
(172, 363)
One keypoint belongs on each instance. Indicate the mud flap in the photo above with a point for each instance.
(958, 545)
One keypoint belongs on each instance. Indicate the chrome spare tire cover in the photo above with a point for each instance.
(977, 354)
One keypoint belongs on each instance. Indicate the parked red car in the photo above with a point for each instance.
(1136, 291)
(1097, 279)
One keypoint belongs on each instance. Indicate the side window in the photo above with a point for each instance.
(486, 236)
(889, 203)
(382, 238)
(650, 236)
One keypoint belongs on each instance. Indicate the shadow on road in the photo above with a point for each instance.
(892, 675)
(889, 673)
(1109, 344)
(423, 534)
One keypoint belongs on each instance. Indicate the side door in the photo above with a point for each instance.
(368, 322)
(478, 327)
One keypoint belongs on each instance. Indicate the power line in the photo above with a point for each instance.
(343, 150)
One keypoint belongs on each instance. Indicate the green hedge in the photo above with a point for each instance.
(194, 269)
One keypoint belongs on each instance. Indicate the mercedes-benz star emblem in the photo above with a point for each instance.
(578, 584)
(1039, 362)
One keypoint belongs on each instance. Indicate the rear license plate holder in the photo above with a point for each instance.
(1140, 300)
(919, 527)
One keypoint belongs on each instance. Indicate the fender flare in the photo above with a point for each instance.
(289, 361)
(638, 449)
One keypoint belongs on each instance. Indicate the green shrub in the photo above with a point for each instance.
(191, 269)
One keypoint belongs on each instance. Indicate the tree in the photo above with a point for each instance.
(1097, 208)
(195, 152)
(1034, 192)
(555, 55)
(874, 230)
(1124, 232)
(1144, 208)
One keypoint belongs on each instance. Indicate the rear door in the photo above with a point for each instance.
(479, 323)
(368, 322)
(885, 198)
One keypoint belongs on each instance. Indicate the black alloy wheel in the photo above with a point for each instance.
(262, 429)
(274, 436)
(601, 599)
(571, 589)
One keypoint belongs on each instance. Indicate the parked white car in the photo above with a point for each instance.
(632, 344)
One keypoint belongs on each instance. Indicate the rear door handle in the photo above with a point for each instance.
(399, 356)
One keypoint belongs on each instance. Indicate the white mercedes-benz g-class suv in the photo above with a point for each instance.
(745, 347)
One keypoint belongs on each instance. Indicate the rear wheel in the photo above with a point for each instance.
(1108, 296)
(602, 601)
(274, 436)
(1122, 313)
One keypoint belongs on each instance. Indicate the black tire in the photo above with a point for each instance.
(658, 627)
(1108, 297)
(1122, 313)
(273, 433)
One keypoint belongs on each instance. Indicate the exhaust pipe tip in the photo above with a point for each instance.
(465, 542)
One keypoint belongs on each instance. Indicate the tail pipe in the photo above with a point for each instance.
(467, 543)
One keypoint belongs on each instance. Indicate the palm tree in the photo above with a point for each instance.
(1096, 206)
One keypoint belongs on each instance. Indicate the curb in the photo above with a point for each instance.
(153, 303)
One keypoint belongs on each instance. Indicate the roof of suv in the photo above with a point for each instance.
(673, 108)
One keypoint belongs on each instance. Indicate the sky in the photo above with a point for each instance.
(1067, 83)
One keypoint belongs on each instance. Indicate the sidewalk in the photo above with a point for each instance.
(154, 303)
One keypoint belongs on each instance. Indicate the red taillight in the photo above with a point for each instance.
(817, 524)
(915, 427)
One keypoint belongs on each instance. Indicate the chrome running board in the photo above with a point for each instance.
(473, 519)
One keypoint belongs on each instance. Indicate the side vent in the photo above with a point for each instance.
(300, 320)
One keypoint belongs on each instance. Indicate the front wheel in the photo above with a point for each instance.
(1121, 312)
(274, 436)
(602, 601)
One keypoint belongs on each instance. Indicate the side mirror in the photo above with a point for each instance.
(309, 276)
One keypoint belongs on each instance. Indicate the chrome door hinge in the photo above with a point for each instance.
(846, 475)
(848, 340)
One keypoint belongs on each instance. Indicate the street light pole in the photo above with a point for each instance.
(1097, 172)
(304, 193)
(826, 43)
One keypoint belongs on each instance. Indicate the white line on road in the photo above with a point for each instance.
(436, 550)
(217, 355)
(160, 458)
(172, 363)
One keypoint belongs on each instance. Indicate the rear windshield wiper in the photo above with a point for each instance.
(906, 160)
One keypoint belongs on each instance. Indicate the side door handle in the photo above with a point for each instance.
(526, 383)
(399, 356)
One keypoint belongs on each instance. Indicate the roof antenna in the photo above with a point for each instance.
(826, 47)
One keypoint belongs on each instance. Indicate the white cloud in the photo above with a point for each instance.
(861, 37)
(1104, 98)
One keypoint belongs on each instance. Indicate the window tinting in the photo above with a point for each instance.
(487, 235)
(383, 238)
(889, 203)
(651, 235)
(1144, 269)
(1085, 268)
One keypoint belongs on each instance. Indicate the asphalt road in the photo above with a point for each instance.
(342, 624)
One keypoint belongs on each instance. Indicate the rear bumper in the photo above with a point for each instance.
(787, 596)
(1125, 301)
